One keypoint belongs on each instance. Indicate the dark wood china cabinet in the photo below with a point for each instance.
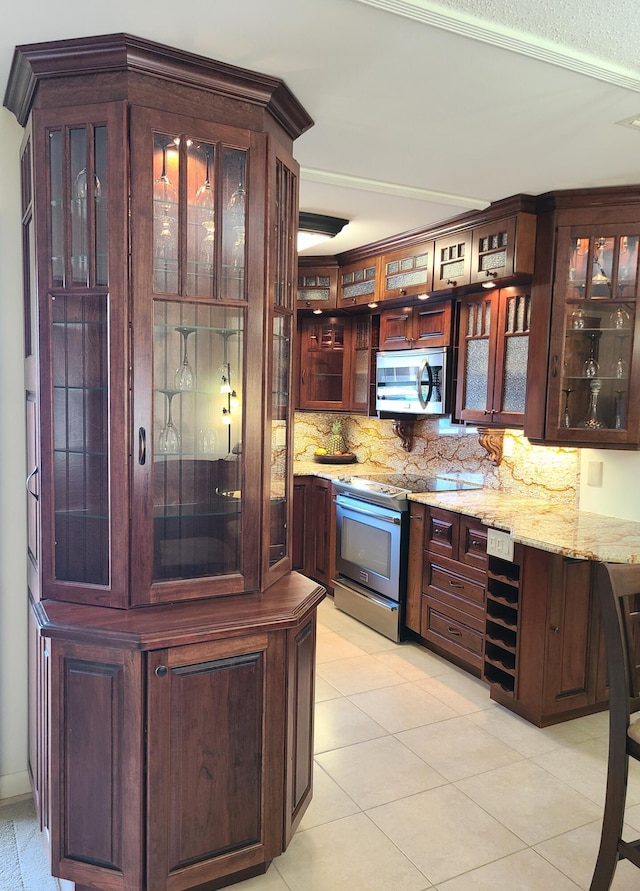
(172, 647)
(585, 326)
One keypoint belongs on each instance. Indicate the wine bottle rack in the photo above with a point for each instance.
(501, 631)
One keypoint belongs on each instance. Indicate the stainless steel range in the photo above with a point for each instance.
(372, 538)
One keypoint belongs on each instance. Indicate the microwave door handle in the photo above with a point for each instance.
(424, 366)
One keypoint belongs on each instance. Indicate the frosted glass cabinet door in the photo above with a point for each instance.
(493, 356)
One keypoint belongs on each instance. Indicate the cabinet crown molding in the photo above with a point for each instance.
(36, 62)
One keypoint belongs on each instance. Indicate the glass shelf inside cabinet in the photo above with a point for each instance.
(198, 352)
(597, 357)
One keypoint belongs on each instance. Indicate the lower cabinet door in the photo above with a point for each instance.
(97, 766)
(301, 657)
(215, 773)
(452, 630)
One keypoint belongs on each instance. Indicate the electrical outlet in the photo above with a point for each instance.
(500, 544)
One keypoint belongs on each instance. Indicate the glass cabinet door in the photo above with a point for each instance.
(595, 296)
(197, 440)
(192, 503)
(82, 318)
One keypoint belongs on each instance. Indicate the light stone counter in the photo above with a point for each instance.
(541, 524)
(547, 526)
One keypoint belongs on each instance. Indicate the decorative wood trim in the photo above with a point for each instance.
(403, 429)
(33, 63)
(491, 440)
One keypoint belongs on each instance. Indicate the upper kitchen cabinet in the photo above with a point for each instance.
(164, 350)
(406, 272)
(358, 283)
(591, 344)
(325, 363)
(492, 357)
(503, 248)
(426, 324)
(317, 284)
(452, 265)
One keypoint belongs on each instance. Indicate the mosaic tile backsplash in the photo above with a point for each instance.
(438, 447)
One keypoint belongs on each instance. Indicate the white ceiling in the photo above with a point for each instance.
(421, 110)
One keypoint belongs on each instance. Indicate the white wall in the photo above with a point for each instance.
(619, 494)
(13, 608)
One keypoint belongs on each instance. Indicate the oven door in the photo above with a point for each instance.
(371, 545)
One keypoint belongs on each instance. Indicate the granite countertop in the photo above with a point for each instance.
(558, 528)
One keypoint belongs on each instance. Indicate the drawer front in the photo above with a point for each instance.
(454, 585)
(473, 543)
(441, 532)
(444, 627)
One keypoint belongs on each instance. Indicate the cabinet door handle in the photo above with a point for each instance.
(554, 372)
(33, 473)
(142, 446)
(454, 631)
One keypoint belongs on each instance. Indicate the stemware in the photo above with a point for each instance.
(620, 318)
(566, 418)
(169, 439)
(165, 200)
(184, 378)
(205, 201)
(591, 368)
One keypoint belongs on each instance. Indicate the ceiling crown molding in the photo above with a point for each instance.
(346, 181)
(517, 42)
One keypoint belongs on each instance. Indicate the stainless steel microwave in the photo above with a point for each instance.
(412, 382)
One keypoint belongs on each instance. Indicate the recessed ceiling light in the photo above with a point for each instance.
(633, 122)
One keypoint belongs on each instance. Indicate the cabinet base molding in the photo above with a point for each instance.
(492, 441)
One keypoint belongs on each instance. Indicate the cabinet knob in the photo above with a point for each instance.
(451, 282)
(402, 292)
(161, 671)
(555, 629)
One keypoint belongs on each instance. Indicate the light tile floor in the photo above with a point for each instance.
(422, 782)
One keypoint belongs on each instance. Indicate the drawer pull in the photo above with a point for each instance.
(475, 544)
(455, 632)
(453, 584)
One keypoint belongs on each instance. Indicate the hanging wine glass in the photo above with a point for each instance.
(165, 202)
(184, 378)
(204, 200)
(591, 367)
(169, 439)
(566, 418)
(237, 209)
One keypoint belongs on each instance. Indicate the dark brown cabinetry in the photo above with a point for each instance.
(452, 266)
(336, 358)
(358, 283)
(214, 722)
(315, 520)
(454, 581)
(543, 643)
(160, 435)
(412, 327)
(325, 363)
(406, 272)
(317, 284)
(493, 355)
(503, 248)
(585, 326)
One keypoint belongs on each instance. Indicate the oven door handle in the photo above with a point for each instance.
(424, 366)
(368, 513)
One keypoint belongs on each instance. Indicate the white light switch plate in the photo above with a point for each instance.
(500, 544)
